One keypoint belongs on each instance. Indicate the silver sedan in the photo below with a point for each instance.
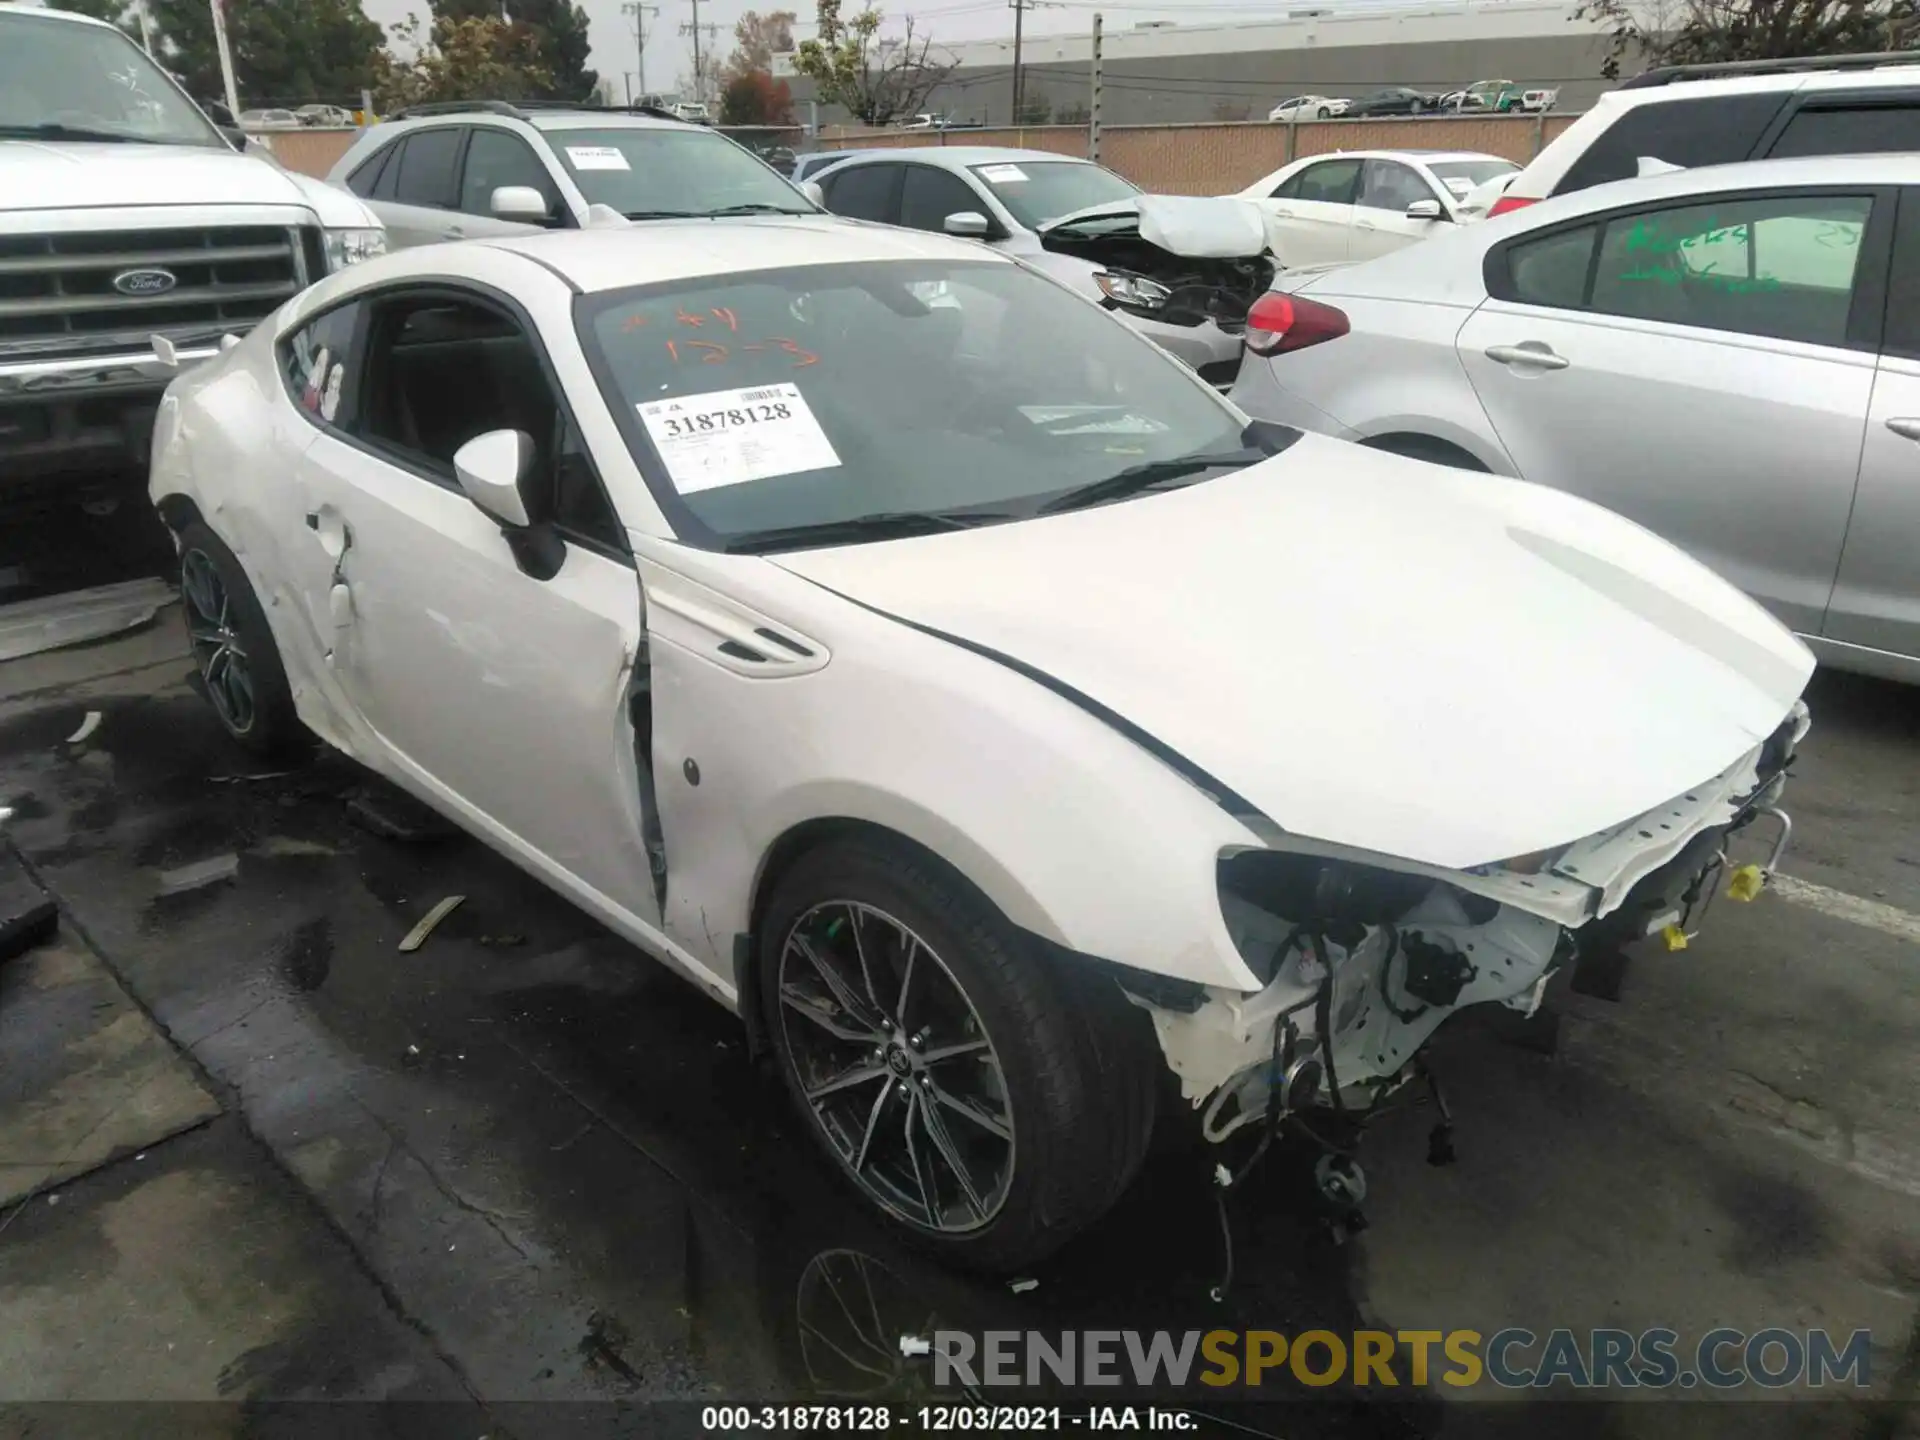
(1730, 356)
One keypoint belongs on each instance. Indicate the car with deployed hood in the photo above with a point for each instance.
(938, 675)
(1729, 356)
(1182, 270)
(126, 215)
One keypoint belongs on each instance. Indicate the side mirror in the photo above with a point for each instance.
(970, 224)
(811, 189)
(519, 202)
(494, 470)
(1425, 210)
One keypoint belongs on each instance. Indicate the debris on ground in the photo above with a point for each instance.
(501, 942)
(250, 779)
(1020, 1287)
(417, 936)
(199, 874)
(912, 1345)
(52, 622)
(396, 816)
(87, 727)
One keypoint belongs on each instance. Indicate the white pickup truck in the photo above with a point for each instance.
(126, 214)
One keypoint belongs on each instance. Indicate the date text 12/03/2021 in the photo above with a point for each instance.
(946, 1419)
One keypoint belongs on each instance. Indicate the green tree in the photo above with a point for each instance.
(1702, 32)
(285, 52)
(1033, 110)
(559, 30)
(477, 58)
(878, 80)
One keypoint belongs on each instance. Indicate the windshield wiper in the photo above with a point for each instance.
(1135, 478)
(881, 525)
(663, 214)
(53, 130)
(755, 207)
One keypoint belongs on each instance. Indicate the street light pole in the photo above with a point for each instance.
(226, 57)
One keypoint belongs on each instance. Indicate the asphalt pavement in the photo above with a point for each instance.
(524, 1166)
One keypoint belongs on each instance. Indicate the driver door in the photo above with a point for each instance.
(501, 697)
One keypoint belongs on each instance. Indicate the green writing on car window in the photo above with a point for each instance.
(1727, 284)
(1650, 238)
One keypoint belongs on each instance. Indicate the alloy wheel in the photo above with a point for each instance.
(893, 1061)
(217, 650)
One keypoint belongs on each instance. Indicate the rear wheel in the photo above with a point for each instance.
(233, 646)
(1325, 113)
(976, 1094)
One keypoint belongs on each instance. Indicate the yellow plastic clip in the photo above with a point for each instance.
(1675, 937)
(1747, 883)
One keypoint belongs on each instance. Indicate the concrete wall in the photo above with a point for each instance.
(1219, 159)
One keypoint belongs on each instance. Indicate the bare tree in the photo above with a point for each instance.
(877, 80)
(1697, 32)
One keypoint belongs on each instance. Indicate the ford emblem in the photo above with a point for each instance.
(145, 282)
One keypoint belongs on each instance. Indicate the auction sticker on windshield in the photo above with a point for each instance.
(1002, 174)
(597, 157)
(728, 437)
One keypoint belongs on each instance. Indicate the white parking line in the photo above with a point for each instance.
(1887, 919)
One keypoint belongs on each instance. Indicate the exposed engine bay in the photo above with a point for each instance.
(1363, 962)
(1176, 259)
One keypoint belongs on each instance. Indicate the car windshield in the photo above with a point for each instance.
(1036, 192)
(1460, 176)
(766, 405)
(66, 80)
(663, 170)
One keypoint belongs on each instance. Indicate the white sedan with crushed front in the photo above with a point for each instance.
(936, 673)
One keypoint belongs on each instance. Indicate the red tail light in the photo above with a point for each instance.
(1280, 323)
(1507, 204)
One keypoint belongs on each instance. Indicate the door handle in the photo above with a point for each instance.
(1904, 427)
(1284, 214)
(454, 232)
(1528, 352)
(1365, 225)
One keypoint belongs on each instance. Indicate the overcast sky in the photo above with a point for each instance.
(669, 53)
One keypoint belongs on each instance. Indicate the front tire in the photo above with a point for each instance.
(976, 1093)
(233, 647)
(1325, 113)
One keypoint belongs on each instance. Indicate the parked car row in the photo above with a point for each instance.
(1490, 96)
(1728, 353)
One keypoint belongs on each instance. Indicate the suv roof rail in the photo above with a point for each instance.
(1674, 74)
(517, 109)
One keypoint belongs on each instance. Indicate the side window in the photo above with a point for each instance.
(1863, 130)
(313, 364)
(1551, 271)
(1389, 185)
(495, 159)
(1331, 182)
(425, 168)
(928, 196)
(443, 369)
(1687, 133)
(866, 192)
(367, 176)
(1782, 268)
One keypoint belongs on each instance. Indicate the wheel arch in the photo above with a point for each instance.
(177, 511)
(1434, 449)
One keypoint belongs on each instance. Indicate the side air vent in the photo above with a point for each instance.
(708, 623)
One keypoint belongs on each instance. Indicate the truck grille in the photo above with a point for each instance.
(58, 293)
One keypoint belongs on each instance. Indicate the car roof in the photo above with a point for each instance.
(50, 14)
(1821, 170)
(1418, 157)
(1772, 82)
(613, 258)
(959, 157)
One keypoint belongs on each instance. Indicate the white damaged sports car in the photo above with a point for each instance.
(934, 672)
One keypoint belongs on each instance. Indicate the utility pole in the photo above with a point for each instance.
(1019, 12)
(639, 12)
(226, 57)
(1093, 101)
(699, 71)
(146, 27)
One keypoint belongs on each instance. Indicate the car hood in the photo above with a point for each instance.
(1374, 652)
(1196, 227)
(45, 175)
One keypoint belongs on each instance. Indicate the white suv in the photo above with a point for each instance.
(1692, 115)
(486, 168)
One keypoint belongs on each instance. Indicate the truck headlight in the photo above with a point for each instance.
(350, 247)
